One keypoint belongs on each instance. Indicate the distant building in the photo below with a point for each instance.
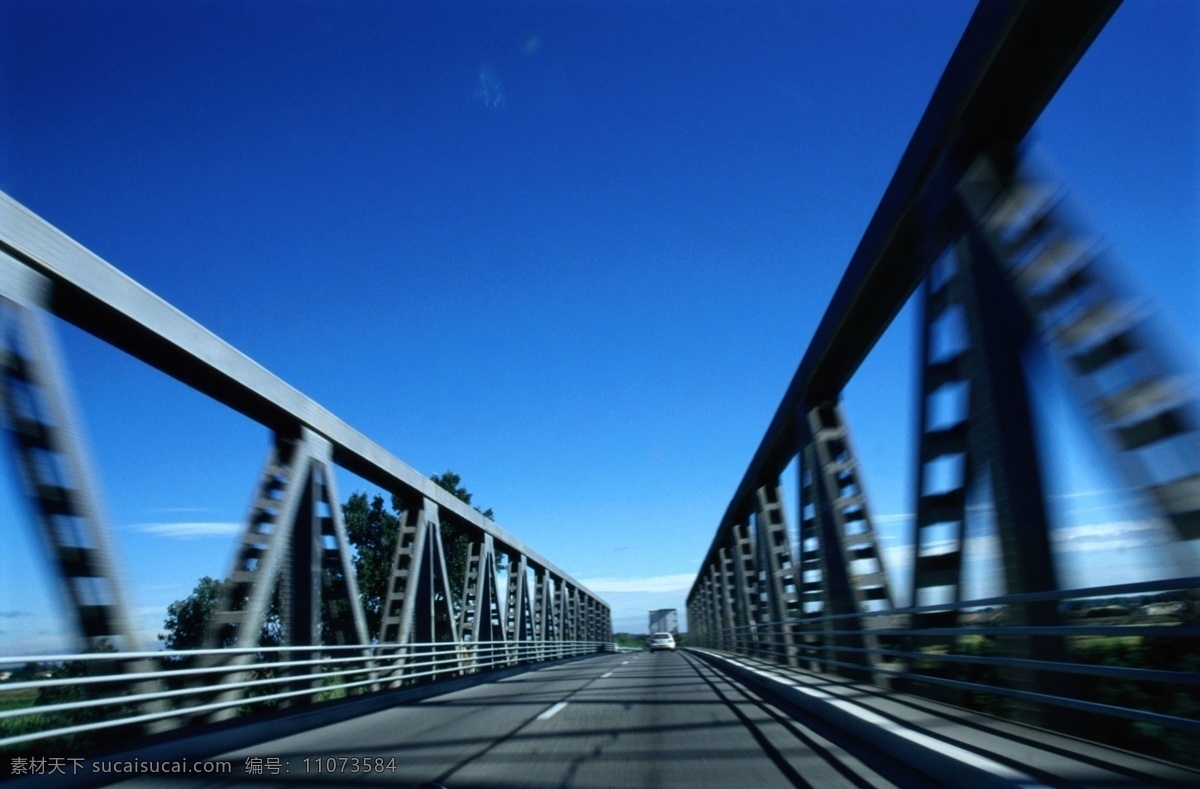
(665, 620)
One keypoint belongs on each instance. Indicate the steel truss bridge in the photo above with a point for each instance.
(999, 264)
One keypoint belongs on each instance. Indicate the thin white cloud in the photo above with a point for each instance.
(656, 583)
(189, 531)
(1080, 494)
(1112, 536)
(489, 91)
(177, 510)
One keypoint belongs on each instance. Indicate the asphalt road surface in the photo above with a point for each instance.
(640, 719)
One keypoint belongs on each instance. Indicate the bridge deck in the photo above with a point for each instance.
(657, 720)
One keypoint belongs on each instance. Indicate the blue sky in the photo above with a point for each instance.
(573, 252)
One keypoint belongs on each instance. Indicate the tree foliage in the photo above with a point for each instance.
(187, 618)
(452, 483)
(454, 538)
(372, 530)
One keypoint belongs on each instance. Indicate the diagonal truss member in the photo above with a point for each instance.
(841, 564)
(293, 551)
(418, 608)
(53, 462)
(481, 618)
(1144, 402)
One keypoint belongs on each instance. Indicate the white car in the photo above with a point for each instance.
(662, 641)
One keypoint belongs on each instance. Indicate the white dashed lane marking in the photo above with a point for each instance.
(550, 713)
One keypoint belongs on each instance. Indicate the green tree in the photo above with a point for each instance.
(187, 618)
(452, 483)
(373, 531)
(455, 539)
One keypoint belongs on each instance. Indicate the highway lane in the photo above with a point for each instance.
(639, 719)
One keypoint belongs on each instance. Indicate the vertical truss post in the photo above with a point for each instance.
(585, 627)
(1002, 433)
(517, 619)
(54, 465)
(597, 620)
(714, 623)
(343, 612)
(782, 598)
(726, 601)
(481, 619)
(994, 440)
(539, 603)
(811, 560)
(572, 614)
(698, 611)
(472, 581)
(696, 605)
(300, 583)
(940, 520)
(745, 582)
(591, 619)
(852, 568)
(517, 599)
(419, 609)
(544, 610)
(434, 619)
(716, 615)
(563, 613)
(1003, 429)
(709, 624)
(401, 596)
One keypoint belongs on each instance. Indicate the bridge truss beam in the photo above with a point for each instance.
(293, 549)
(1004, 268)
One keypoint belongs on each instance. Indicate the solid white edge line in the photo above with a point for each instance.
(550, 713)
(923, 740)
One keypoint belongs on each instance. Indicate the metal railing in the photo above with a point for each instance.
(967, 664)
(91, 693)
